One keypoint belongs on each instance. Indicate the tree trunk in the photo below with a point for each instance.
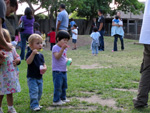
(88, 28)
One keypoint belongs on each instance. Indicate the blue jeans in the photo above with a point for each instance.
(24, 39)
(60, 85)
(101, 41)
(94, 48)
(115, 42)
(35, 91)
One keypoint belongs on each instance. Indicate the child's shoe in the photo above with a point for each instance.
(36, 109)
(59, 103)
(12, 110)
(1, 110)
(40, 107)
(66, 101)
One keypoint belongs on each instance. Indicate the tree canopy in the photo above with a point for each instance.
(88, 8)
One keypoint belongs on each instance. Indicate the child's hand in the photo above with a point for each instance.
(71, 63)
(35, 51)
(65, 46)
(42, 71)
(15, 62)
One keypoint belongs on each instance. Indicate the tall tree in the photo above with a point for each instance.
(88, 8)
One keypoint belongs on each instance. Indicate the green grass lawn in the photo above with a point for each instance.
(118, 70)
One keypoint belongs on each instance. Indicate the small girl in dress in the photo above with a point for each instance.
(9, 75)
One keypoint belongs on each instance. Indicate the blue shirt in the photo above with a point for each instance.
(34, 68)
(64, 19)
(72, 23)
(115, 30)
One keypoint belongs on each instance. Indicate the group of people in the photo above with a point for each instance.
(99, 26)
(9, 59)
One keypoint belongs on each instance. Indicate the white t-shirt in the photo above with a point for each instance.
(95, 36)
(75, 36)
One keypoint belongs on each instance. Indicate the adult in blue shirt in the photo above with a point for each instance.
(62, 19)
(101, 29)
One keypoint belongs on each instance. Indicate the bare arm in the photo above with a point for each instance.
(19, 21)
(3, 42)
(74, 33)
(31, 57)
(58, 55)
(101, 26)
(58, 25)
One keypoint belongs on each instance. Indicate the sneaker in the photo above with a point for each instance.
(40, 107)
(74, 48)
(12, 110)
(66, 101)
(112, 50)
(1, 111)
(59, 103)
(36, 109)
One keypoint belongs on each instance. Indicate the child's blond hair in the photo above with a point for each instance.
(34, 37)
(6, 35)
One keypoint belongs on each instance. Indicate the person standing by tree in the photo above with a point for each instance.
(7, 7)
(101, 29)
(62, 19)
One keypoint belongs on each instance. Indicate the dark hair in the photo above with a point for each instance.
(53, 29)
(62, 6)
(95, 29)
(36, 28)
(116, 17)
(14, 3)
(62, 35)
(71, 19)
(28, 13)
(101, 11)
(75, 25)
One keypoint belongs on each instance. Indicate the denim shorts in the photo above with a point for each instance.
(74, 41)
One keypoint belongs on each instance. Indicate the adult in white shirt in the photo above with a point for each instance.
(144, 86)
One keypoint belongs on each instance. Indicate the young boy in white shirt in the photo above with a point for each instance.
(74, 36)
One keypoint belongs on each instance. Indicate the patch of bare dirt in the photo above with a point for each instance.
(93, 66)
(135, 82)
(78, 108)
(96, 99)
(130, 90)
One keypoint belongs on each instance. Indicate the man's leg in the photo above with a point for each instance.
(102, 40)
(144, 85)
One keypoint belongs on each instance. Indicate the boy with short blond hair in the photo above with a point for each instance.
(35, 60)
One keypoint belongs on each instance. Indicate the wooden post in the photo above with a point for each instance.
(127, 25)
